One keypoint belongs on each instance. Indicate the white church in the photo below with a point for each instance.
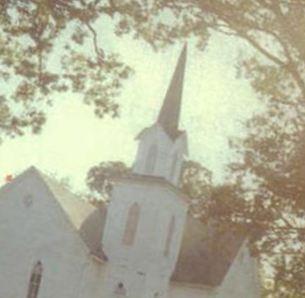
(143, 244)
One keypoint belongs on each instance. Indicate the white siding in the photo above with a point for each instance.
(156, 153)
(36, 231)
(143, 265)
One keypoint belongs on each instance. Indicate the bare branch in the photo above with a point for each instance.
(99, 52)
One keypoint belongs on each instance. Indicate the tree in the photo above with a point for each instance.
(99, 177)
(32, 34)
(48, 47)
(196, 183)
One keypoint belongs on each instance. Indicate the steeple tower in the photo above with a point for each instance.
(163, 146)
(146, 214)
(170, 112)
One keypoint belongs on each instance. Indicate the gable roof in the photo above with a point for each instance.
(87, 219)
(206, 254)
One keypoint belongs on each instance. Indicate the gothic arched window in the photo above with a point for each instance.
(151, 159)
(170, 234)
(131, 224)
(35, 280)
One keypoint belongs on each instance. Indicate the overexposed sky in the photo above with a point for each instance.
(215, 104)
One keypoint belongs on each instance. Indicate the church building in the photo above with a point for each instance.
(143, 244)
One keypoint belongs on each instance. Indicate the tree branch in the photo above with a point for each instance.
(242, 33)
(99, 52)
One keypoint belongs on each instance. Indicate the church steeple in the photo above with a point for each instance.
(170, 112)
(162, 146)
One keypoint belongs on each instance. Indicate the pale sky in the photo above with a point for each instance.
(215, 104)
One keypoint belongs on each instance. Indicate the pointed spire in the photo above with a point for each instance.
(170, 112)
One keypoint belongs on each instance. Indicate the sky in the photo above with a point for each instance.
(215, 105)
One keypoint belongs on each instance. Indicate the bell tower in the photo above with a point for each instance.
(147, 212)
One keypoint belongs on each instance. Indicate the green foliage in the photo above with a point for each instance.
(196, 183)
(98, 177)
(50, 47)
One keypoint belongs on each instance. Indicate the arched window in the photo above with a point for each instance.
(174, 165)
(35, 280)
(151, 159)
(170, 234)
(131, 224)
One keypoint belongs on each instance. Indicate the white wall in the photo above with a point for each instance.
(166, 151)
(39, 231)
(143, 266)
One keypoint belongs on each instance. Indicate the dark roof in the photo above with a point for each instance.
(92, 230)
(206, 254)
(170, 112)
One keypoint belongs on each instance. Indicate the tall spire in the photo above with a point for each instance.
(170, 112)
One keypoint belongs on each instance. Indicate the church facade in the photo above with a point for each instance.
(143, 244)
